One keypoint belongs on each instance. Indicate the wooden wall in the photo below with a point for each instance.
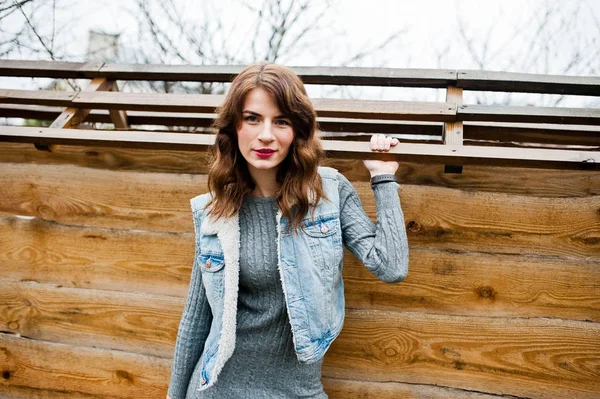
(502, 297)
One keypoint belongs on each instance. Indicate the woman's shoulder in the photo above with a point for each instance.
(199, 202)
(328, 173)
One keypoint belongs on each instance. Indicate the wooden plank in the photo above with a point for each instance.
(523, 357)
(451, 219)
(16, 392)
(548, 183)
(447, 154)
(93, 197)
(440, 281)
(548, 134)
(309, 75)
(50, 69)
(225, 73)
(44, 366)
(467, 79)
(436, 217)
(108, 138)
(525, 157)
(205, 120)
(114, 259)
(362, 109)
(387, 110)
(135, 323)
(481, 131)
(530, 182)
(37, 97)
(490, 131)
(528, 83)
(574, 116)
(358, 389)
(482, 284)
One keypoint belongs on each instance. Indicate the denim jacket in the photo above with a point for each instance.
(310, 268)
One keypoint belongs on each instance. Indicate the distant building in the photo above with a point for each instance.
(103, 47)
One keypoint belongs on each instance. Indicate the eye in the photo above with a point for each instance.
(283, 122)
(251, 119)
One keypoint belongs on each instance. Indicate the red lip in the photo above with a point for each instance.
(264, 152)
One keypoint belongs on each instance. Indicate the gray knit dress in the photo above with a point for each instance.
(264, 364)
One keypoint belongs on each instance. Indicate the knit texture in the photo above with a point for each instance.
(264, 364)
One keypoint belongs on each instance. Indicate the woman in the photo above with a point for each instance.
(266, 295)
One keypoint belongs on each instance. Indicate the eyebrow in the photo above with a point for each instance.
(246, 111)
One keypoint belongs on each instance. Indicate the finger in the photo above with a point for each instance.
(373, 142)
(380, 142)
(395, 142)
(388, 142)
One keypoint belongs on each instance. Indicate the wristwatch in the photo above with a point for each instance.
(382, 179)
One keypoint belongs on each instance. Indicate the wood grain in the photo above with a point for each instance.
(439, 281)
(560, 115)
(530, 182)
(529, 357)
(528, 83)
(135, 323)
(94, 197)
(16, 392)
(437, 217)
(98, 258)
(498, 223)
(80, 371)
(355, 389)
(476, 284)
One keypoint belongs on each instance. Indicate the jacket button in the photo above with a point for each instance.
(207, 264)
(324, 229)
(203, 382)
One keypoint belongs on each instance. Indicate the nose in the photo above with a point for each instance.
(266, 134)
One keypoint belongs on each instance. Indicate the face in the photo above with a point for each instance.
(264, 134)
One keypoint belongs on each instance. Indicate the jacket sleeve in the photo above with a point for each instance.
(193, 331)
(381, 247)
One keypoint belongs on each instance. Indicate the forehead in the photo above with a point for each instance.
(261, 101)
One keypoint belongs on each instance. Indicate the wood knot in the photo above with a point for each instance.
(5, 374)
(390, 352)
(413, 226)
(13, 325)
(124, 376)
(486, 292)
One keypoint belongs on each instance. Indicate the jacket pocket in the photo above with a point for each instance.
(212, 266)
(324, 239)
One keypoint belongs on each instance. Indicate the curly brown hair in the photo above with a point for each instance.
(229, 179)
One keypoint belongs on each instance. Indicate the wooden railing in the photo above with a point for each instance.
(548, 137)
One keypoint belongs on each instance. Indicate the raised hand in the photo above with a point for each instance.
(381, 143)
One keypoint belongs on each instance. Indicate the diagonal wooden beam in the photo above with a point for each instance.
(72, 117)
(118, 116)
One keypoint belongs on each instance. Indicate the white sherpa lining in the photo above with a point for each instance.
(279, 267)
(228, 231)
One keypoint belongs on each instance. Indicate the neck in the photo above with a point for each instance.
(265, 181)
